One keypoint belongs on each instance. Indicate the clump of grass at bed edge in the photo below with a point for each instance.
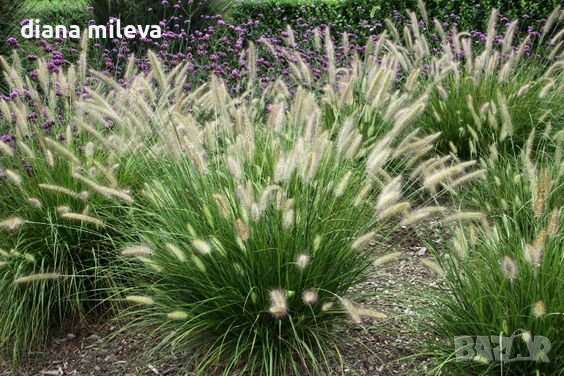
(504, 278)
(56, 238)
(57, 250)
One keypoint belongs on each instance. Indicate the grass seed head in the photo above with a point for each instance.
(302, 261)
(202, 246)
(539, 309)
(176, 251)
(36, 277)
(382, 260)
(509, 267)
(137, 250)
(433, 266)
(278, 303)
(351, 310)
(11, 224)
(242, 229)
(34, 202)
(309, 297)
(140, 299)
(362, 241)
(177, 315)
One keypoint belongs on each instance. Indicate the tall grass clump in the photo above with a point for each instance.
(487, 96)
(58, 187)
(251, 231)
(508, 184)
(504, 276)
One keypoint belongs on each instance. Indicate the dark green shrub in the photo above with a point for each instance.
(61, 12)
(364, 14)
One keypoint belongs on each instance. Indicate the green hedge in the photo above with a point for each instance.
(342, 14)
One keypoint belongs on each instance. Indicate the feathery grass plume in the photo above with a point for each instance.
(382, 260)
(553, 223)
(351, 309)
(389, 195)
(423, 10)
(302, 261)
(278, 303)
(466, 178)
(63, 209)
(36, 278)
(59, 189)
(235, 168)
(327, 306)
(507, 128)
(342, 185)
(107, 192)
(362, 241)
(363, 193)
(420, 214)
(464, 216)
(202, 246)
(137, 250)
(157, 71)
(541, 192)
(540, 239)
(402, 208)
(370, 313)
(177, 315)
(317, 39)
(430, 164)
(12, 223)
(330, 54)
(551, 20)
(176, 251)
(442, 176)
(433, 266)
(34, 202)
(150, 263)
(6, 149)
(14, 177)
(539, 309)
(532, 255)
(222, 204)
(509, 267)
(140, 299)
(198, 263)
(310, 297)
(242, 229)
(62, 151)
(251, 64)
(530, 167)
(288, 214)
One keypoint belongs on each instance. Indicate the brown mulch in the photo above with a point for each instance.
(383, 347)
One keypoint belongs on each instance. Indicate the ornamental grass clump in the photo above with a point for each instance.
(56, 241)
(507, 185)
(503, 275)
(56, 236)
(487, 97)
(251, 231)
